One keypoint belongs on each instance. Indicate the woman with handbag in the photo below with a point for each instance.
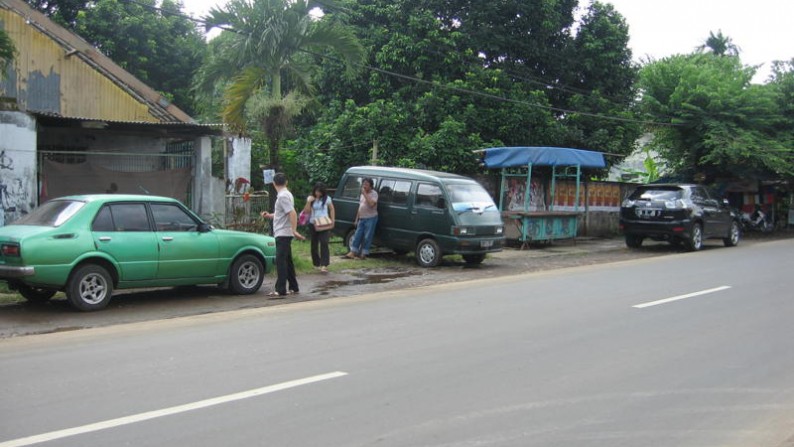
(321, 221)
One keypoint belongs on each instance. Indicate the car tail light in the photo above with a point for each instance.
(674, 204)
(10, 250)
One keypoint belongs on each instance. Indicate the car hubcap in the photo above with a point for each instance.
(735, 234)
(696, 237)
(248, 274)
(93, 288)
(427, 254)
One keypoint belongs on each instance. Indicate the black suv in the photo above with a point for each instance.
(678, 214)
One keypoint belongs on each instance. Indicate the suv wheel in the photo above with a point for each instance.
(695, 241)
(633, 241)
(733, 236)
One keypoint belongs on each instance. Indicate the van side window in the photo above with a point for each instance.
(352, 188)
(428, 195)
(386, 191)
(394, 192)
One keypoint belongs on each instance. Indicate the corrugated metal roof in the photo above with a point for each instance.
(75, 46)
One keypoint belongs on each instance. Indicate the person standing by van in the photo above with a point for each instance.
(320, 205)
(366, 219)
(285, 227)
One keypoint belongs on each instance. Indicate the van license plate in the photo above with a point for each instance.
(486, 244)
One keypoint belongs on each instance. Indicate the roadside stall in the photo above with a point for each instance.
(522, 199)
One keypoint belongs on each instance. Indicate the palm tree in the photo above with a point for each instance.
(7, 51)
(719, 45)
(264, 59)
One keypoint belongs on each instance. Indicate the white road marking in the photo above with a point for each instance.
(36, 439)
(668, 300)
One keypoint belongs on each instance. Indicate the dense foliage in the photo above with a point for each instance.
(718, 123)
(7, 50)
(446, 78)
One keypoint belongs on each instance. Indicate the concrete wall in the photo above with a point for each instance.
(17, 165)
(238, 161)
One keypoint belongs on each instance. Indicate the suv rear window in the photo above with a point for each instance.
(657, 194)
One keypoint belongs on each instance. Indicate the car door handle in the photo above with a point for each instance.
(104, 239)
(168, 238)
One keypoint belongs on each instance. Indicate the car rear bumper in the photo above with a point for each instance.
(658, 230)
(9, 271)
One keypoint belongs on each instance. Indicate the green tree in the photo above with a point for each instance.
(499, 73)
(719, 45)
(719, 124)
(160, 46)
(62, 11)
(7, 51)
(266, 63)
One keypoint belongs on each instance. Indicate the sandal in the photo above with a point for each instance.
(293, 292)
(275, 294)
(350, 255)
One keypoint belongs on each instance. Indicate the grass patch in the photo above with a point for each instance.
(302, 257)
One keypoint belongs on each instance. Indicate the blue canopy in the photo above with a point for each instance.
(504, 157)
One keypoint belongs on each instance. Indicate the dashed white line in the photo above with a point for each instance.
(675, 298)
(53, 435)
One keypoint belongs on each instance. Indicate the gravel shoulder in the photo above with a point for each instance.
(129, 307)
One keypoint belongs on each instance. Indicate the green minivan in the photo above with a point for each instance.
(430, 213)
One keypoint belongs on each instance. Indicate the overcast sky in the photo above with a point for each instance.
(762, 29)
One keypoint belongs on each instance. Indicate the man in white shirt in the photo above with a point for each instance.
(285, 227)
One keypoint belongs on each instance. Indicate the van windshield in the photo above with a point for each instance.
(470, 197)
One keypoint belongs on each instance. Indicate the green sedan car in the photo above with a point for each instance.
(89, 245)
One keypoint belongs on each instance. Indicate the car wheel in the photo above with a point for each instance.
(89, 288)
(246, 275)
(428, 253)
(695, 241)
(633, 241)
(474, 259)
(734, 236)
(35, 294)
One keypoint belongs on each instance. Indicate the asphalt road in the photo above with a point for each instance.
(680, 350)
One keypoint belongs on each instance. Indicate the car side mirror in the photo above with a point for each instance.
(204, 227)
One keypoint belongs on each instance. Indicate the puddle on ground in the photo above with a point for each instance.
(382, 276)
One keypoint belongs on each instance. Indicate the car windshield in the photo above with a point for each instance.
(470, 197)
(657, 194)
(51, 214)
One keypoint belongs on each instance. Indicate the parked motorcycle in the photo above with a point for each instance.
(757, 221)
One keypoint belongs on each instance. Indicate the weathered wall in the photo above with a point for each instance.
(50, 79)
(17, 165)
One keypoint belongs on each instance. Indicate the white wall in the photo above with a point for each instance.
(17, 166)
(239, 160)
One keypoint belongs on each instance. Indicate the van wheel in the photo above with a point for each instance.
(428, 253)
(89, 288)
(474, 259)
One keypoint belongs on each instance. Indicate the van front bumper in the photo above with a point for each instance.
(478, 245)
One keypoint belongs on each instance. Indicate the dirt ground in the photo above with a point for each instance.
(128, 307)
